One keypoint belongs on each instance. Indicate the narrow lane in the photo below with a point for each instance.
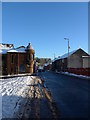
(70, 94)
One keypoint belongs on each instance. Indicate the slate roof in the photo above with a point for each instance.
(4, 49)
(65, 55)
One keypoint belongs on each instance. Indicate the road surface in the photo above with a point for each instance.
(70, 94)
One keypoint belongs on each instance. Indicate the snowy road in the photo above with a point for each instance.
(25, 97)
(70, 93)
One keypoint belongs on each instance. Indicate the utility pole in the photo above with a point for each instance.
(68, 49)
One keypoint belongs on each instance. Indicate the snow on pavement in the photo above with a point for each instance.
(25, 97)
(14, 91)
(0, 104)
(75, 75)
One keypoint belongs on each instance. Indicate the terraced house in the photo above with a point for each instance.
(16, 60)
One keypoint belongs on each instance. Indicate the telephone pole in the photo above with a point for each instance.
(68, 50)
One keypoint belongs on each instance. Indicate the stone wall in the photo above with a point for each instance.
(22, 62)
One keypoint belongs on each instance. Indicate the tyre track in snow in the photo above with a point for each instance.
(11, 85)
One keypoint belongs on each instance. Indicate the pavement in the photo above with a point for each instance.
(38, 103)
(70, 94)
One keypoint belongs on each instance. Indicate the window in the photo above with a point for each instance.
(32, 56)
(16, 59)
(28, 57)
(22, 68)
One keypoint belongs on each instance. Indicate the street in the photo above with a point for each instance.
(69, 93)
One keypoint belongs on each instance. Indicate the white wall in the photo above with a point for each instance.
(86, 62)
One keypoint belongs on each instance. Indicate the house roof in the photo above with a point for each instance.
(65, 55)
(18, 50)
(13, 50)
(3, 51)
(4, 48)
(21, 49)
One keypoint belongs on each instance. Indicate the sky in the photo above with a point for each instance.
(45, 25)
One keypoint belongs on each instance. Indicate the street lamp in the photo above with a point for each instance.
(68, 49)
(68, 45)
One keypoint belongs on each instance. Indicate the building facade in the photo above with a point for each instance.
(48, 66)
(75, 63)
(17, 60)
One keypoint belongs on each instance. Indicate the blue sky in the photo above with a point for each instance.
(45, 25)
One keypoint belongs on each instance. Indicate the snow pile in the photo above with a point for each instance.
(80, 76)
(13, 92)
(0, 103)
(13, 50)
